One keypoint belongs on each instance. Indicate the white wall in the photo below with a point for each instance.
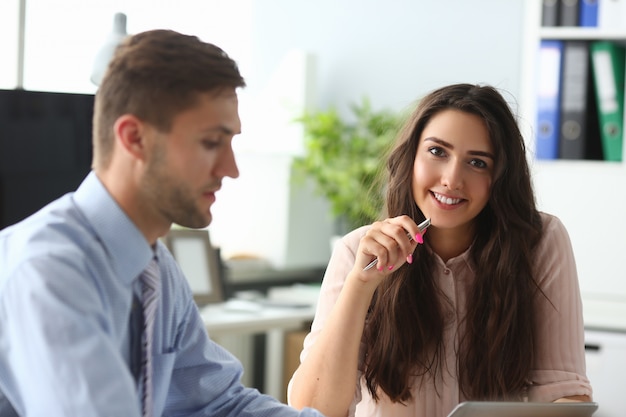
(391, 51)
(63, 36)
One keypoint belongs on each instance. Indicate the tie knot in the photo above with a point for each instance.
(151, 286)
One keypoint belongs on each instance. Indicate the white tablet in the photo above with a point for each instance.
(521, 409)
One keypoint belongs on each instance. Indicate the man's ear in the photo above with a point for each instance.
(130, 133)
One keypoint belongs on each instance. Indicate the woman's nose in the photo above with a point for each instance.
(452, 177)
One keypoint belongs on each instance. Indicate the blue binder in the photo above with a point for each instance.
(548, 99)
(588, 13)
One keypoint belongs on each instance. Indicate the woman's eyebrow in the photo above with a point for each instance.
(482, 153)
(439, 141)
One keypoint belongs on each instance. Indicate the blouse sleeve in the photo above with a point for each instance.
(559, 365)
(340, 264)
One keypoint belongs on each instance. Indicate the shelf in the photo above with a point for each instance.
(591, 167)
(578, 33)
(534, 33)
(589, 197)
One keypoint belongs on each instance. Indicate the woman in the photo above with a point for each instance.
(488, 308)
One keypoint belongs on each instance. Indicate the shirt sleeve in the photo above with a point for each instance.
(204, 379)
(559, 365)
(58, 358)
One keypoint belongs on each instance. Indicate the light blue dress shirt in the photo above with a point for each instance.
(67, 277)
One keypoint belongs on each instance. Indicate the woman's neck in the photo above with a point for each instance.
(448, 243)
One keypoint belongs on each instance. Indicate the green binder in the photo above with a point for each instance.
(607, 62)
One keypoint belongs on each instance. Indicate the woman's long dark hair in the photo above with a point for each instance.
(404, 331)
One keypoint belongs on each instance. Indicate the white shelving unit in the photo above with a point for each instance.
(588, 196)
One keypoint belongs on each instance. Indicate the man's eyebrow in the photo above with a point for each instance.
(221, 129)
(450, 146)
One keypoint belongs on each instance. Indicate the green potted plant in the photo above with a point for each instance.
(344, 157)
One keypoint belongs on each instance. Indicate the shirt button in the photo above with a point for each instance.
(446, 271)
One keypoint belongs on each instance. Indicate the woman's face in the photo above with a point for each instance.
(453, 169)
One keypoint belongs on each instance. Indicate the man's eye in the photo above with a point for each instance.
(211, 144)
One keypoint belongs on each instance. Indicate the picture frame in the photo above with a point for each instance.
(200, 263)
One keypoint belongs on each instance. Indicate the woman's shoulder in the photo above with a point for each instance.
(553, 230)
(358, 233)
(348, 243)
(352, 238)
(550, 221)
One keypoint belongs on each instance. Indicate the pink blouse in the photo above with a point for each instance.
(559, 366)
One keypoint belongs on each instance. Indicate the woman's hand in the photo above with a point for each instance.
(392, 242)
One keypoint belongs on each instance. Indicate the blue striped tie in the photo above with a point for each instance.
(149, 297)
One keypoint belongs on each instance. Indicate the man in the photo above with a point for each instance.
(165, 116)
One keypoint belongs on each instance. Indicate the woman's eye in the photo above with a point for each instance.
(437, 151)
(478, 163)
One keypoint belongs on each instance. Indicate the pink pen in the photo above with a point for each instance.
(422, 226)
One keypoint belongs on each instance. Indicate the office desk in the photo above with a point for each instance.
(273, 321)
(603, 313)
(605, 324)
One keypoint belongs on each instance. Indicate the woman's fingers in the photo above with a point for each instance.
(391, 243)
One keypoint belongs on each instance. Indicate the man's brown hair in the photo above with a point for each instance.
(155, 75)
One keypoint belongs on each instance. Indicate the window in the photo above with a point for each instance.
(63, 36)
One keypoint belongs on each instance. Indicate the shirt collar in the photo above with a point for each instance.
(457, 260)
(124, 243)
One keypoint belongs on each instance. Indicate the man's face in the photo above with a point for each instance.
(187, 164)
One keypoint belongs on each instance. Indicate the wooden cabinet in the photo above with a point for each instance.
(293, 346)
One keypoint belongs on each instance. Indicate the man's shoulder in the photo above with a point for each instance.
(57, 225)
